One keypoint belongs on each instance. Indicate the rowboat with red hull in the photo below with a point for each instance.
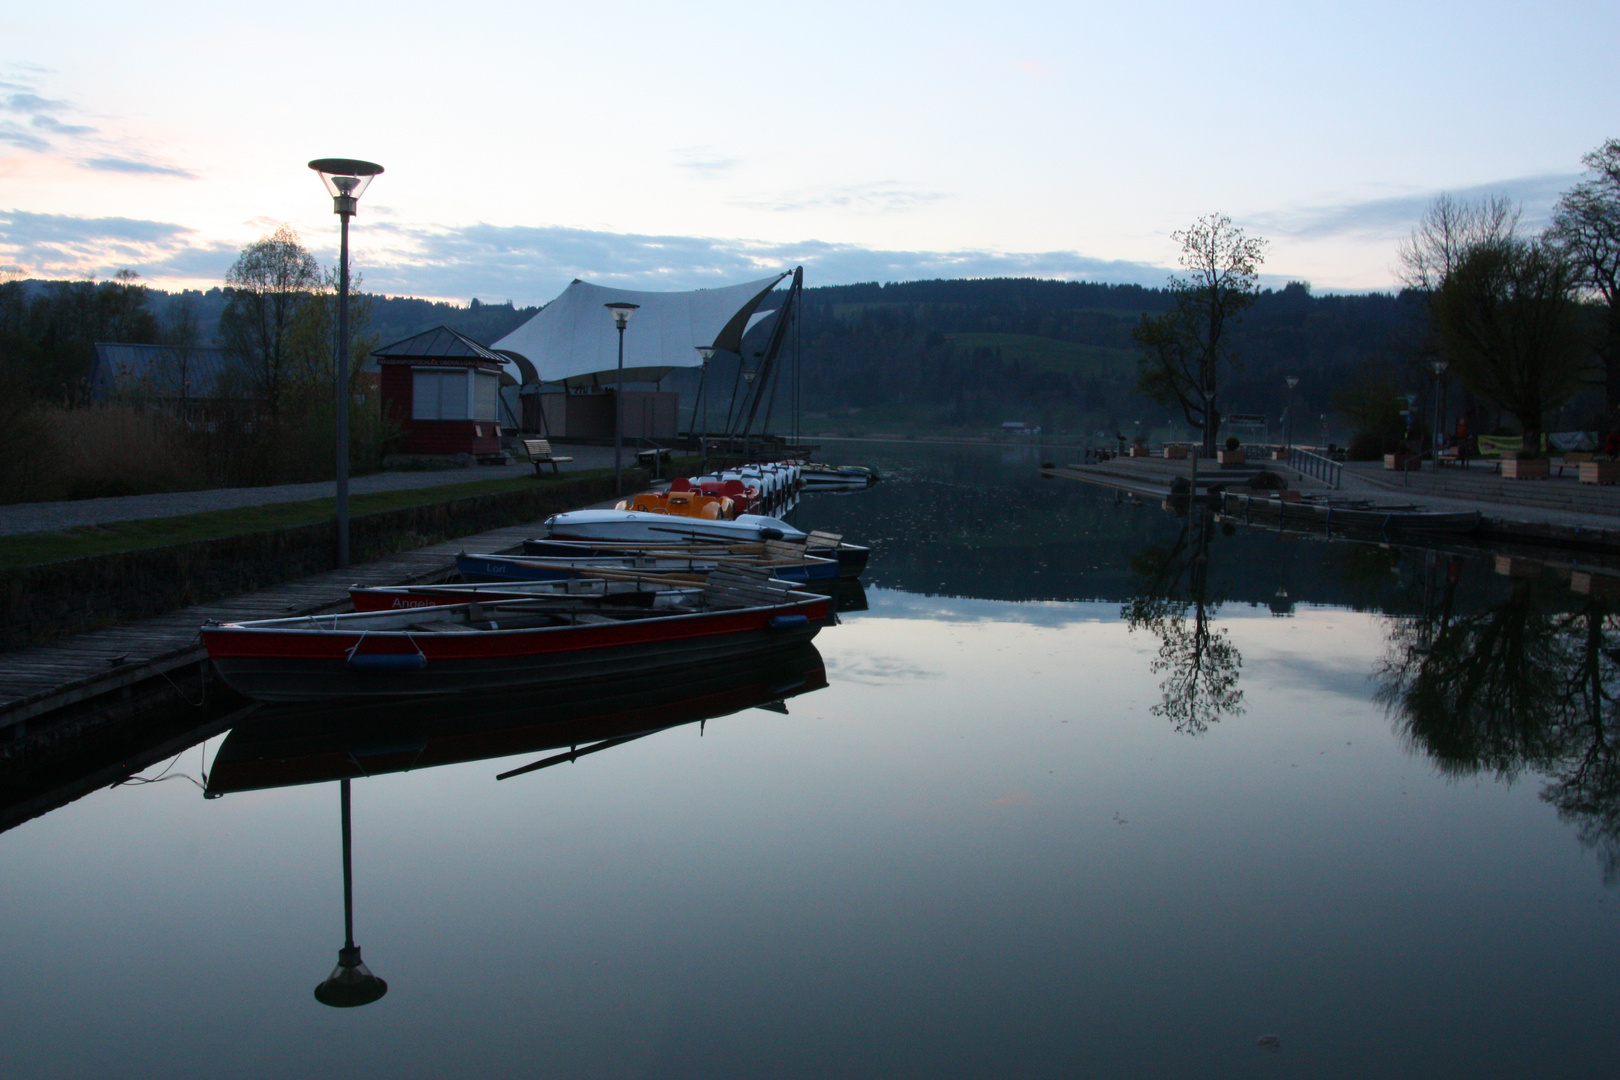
(639, 593)
(507, 644)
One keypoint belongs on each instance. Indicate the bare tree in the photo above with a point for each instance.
(1587, 225)
(1448, 229)
(180, 336)
(267, 287)
(1183, 349)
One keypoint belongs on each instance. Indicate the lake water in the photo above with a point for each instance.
(1090, 790)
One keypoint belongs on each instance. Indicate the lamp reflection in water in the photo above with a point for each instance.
(351, 983)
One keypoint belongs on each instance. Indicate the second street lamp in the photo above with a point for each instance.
(621, 318)
(1288, 414)
(1434, 438)
(345, 179)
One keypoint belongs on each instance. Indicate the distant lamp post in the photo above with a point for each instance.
(1288, 416)
(345, 180)
(1210, 428)
(707, 353)
(621, 318)
(351, 983)
(1439, 373)
(748, 377)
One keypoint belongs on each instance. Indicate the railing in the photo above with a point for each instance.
(1324, 469)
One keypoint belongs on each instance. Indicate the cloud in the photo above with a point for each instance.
(883, 197)
(81, 143)
(33, 103)
(1394, 216)
(22, 138)
(55, 245)
(56, 127)
(528, 264)
(129, 165)
(704, 162)
(532, 264)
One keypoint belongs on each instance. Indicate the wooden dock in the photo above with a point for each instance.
(76, 671)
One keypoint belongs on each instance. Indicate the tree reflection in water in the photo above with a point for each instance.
(1201, 663)
(1519, 686)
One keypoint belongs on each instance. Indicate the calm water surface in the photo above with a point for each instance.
(1090, 790)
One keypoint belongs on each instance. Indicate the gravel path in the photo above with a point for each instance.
(51, 517)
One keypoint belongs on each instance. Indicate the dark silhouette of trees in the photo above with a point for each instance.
(1508, 319)
(1587, 226)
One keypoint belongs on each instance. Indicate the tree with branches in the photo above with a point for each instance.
(267, 289)
(1183, 350)
(1587, 226)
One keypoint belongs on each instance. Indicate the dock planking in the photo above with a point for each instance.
(37, 680)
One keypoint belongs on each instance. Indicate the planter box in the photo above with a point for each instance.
(1230, 457)
(1600, 472)
(1397, 462)
(1590, 584)
(1141, 451)
(1175, 453)
(1534, 469)
(1279, 455)
(1516, 566)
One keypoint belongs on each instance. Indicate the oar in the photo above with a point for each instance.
(572, 755)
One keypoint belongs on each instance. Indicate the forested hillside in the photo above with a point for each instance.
(972, 354)
(961, 355)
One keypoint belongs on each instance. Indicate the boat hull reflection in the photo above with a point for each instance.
(285, 745)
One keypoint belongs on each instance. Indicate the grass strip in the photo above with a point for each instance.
(82, 541)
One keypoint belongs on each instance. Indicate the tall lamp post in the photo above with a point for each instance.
(345, 180)
(748, 377)
(621, 318)
(1210, 431)
(1434, 438)
(707, 353)
(1288, 426)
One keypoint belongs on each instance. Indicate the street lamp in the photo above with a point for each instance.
(1288, 426)
(345, 180)
(351, 983)
(748, 378)
(1439, 371)
(621, 318)
(1209, 418)
(707, 353)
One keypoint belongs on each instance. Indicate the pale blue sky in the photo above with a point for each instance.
(681, 144)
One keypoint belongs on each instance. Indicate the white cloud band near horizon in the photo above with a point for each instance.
(532, 264)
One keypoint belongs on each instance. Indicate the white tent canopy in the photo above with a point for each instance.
(575, 333)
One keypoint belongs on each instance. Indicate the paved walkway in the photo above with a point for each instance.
(1563, 502)
(21, 518)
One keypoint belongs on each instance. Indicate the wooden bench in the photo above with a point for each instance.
(539, 451)
(1575, 459)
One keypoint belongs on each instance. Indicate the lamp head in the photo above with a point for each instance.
(1440, 367)
(748, 376)
(345, 179)
(621, 312)
(1293, 381)
(706, 352)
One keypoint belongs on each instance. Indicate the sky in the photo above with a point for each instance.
(682, 145)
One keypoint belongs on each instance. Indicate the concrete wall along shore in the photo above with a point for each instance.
(53, 600)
